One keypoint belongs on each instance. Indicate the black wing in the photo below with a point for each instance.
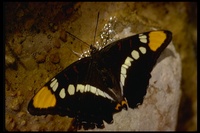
(132, 59)
(80, 91)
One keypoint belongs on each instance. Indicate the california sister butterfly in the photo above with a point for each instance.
(113, 78)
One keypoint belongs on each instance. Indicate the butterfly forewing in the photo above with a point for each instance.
(131, 60)
(59, 91)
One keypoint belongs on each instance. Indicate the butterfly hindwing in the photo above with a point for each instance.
(83, 90)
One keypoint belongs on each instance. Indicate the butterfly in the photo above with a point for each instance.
(93, 88)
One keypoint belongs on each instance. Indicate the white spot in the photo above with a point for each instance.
(52, 79)
(128, 61)
(71, 89)
(125, 66)
(101, 93)
(80, 88)
(143, 50)
(122, 79)
(124, 75)
(96, 93)
(142, 36)
(87, 88)
(93, 89)
(135, 54)
(123, 70)
(121, 86)
(109, 97)
(54, 85)
(62, 93)
(144, 40)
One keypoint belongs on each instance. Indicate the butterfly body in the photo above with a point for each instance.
(93, 88)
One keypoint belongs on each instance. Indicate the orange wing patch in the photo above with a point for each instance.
(156, 39)
(44, 99)
(119, 106)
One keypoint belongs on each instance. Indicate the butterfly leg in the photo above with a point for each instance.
(88, 123)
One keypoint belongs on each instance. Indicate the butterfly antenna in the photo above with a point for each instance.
(78, 38)
(76, 53)
(96, 28)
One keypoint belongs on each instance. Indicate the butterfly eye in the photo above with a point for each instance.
(93, 49)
